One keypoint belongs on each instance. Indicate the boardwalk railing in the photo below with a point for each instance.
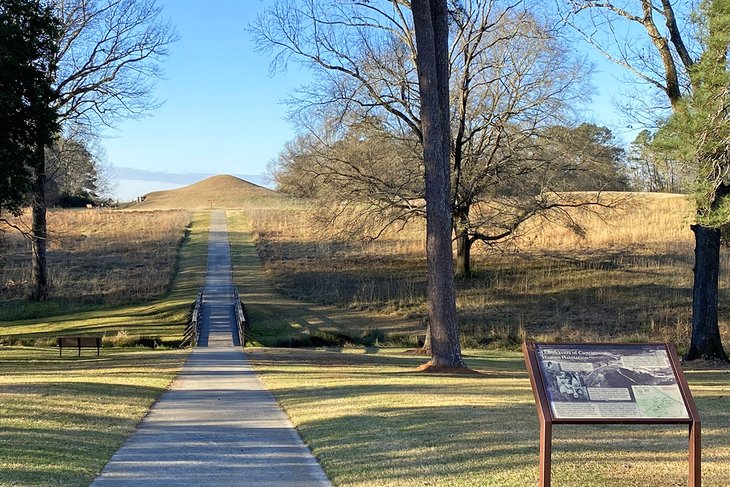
(192, 330)
(241, 318)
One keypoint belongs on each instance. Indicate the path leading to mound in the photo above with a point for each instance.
(217, 425)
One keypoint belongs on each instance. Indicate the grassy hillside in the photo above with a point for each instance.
(161, 315)
(215, 192)
(95, 258)
(281, 321)
(626, 274)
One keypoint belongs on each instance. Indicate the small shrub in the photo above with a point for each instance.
(121, 339)
(403, 340)
(78, 200)
(503, 337)
(45, 342)
(374, 338)
(124, 339)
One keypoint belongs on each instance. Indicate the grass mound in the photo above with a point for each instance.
(221, 191)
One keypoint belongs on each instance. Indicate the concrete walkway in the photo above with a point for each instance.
(217, 425)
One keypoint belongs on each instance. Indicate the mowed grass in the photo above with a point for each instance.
(626, 275)
(372, 420)
(61, 418)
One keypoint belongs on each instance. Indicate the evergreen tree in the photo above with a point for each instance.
(698, 132)
(684, 59)
(28, 122)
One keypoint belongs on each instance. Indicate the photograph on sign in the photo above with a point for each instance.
(610, 381)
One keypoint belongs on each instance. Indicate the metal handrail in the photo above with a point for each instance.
(192, 330)
(241, 317)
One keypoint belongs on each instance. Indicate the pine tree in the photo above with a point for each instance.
(27, 119)
(698, 133)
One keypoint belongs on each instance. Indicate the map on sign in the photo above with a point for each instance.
(610, 381)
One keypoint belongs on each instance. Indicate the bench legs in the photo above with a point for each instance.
(79, 345)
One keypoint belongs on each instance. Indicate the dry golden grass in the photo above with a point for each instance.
(101, 256)
(627, 276)
(638, 221)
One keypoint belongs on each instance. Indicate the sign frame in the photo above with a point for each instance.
(547, 418)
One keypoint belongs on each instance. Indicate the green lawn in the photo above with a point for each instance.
(61, 418)
(372, 420)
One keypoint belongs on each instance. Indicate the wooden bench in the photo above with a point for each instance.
(79, 343)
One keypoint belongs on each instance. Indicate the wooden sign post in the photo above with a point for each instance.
(581, 383)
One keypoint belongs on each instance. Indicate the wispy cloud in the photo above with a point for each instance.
(133, 174)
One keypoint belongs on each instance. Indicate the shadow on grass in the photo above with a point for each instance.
(599, 295)
(62, 418)
(161, 316)
(382, 423)
(279, 320)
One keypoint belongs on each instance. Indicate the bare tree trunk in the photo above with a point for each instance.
(463, 243)
(463, 255)
(431, 24)
(706, 341)
(39, 232)
(426, 348)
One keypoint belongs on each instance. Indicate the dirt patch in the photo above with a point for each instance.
(418, 351)
(437, 369)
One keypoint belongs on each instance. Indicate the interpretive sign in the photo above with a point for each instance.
(610, 383)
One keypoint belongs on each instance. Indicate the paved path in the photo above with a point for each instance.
(217, 425)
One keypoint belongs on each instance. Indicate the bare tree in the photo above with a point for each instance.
(502, 102)
(109, 54)
(664, 56)
(651, 169)
(366, 54)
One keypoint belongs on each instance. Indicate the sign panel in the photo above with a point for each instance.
(610, 382)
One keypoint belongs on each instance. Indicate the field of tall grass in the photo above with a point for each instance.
(97, 256)
(621, 273)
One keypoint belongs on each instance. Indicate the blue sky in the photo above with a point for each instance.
(223, 110)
